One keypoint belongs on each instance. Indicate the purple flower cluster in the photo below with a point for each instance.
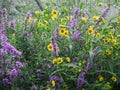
(10, 49)
(12, 23)
(80, 80)
(89, 65)
(105, 12)
(57, 80)
(76, 35)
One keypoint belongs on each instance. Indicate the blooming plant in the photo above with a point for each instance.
(67, 46)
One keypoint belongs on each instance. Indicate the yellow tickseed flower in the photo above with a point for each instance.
(110, 33)
(68, 59)
(37, 12)
(54, 17)
(54, 61)
(84, 19)
(95, 18)
(113, 79)
(40, 24)
(101, 78)
(66, 33)
(107, 40)
(59, 60)
(53, 83)
(97, 35)
(108, 52)
(90, 30)
(49, 47)
(48, 88)
(62, 31)
(100, 4)
(114, 41)
(54, 12)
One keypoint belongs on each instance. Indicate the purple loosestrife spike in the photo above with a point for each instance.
(3, 52)
(76, 11)
(105, 12)
(76, 35)
(19, 64)
(80, 80)
(1, 73)
(73, 22)
(28, 15)
(89, 65)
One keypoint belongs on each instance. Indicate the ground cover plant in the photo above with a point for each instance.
(69, 45)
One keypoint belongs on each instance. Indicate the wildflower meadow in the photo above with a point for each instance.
(60, 45)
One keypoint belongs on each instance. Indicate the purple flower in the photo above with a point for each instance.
(80, 80)
(13, 74)
(19, 64)
(6, 81)
(54, 47)
(89, 65)
(76, 35)
(73, 22)
(12, 23)
(1, 73)
(57, 80)
(9, 48)
(3, 52)
(28, 15)
(105, 11)
(34, 87)
(76, 11)
(38, 73)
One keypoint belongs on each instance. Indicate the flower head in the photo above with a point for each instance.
(80, 80)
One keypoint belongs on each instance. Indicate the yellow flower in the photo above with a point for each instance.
(113, 79)
(100, 4)
(84, 19)
(68, 59)
(48, 88)
(101, 78)
(108, 85)
(95, 18)
(108, 52)
(54, 17)
(54, 12)
(107, 40)
(66, 33)
(90, 30)
(54, 61)
(114, 41)
(59, 60)
(37, 12)
(49, 47)
(62, 26)
(40, 24)
(53, 83)
(97, 35)
(61, 31)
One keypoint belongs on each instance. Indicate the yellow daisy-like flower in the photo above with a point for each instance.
(100, 4)
(54, 61)
(37, 12)
(114, 41)
(107, 40)
(97, 35)
(66, 33)
(59, 60)
(53, 83)
(62, 31)
(114, 79)
(108, 52)
(40, 24)
(90, 30)
(101, 78)
(84, 19)
(48, 88)
(108, 85)
(95, 18)
(68, 59)
(54, 12)
(54, 17)
(49, 47)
